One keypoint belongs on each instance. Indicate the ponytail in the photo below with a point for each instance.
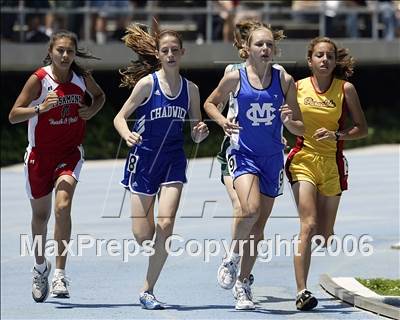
(144, 45)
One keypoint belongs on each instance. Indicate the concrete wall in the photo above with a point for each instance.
(25, 57)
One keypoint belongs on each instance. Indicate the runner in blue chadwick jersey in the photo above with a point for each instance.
(159, 159)
(155, 168)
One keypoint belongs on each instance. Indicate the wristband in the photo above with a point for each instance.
(37, 108)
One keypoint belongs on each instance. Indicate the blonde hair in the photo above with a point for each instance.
(244, 30)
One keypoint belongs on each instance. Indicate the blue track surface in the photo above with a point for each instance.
(106, 287)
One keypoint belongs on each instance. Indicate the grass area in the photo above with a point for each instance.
(385, 287)
(102, 140)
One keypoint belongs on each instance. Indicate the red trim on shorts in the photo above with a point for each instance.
(340, 145)
(341, 168)
(299, 145)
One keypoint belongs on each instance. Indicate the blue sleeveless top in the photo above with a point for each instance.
(160, 119)
(257, 112)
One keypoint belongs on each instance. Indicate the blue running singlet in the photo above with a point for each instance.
(159, 159)
(257, 112)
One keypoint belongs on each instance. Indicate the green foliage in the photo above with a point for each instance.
(102, 140)
(384, 287)
(13, 144)
(208, 147)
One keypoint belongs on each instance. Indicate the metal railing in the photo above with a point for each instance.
(153, 8)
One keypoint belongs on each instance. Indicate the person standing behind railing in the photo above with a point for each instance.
(298, 14)
(225, 19)
(387, 11)
(105, 11)
(64, 18)
(353, 18)
(35, 21)
(8, 20)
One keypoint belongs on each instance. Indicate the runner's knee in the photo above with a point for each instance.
(142, 237)
(308, 228)
(166, 225)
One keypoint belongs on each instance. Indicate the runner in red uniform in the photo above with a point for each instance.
(52, 101)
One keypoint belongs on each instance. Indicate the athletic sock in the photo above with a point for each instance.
(41, 267)
(301, 292)
(233, 256)
(59, 272)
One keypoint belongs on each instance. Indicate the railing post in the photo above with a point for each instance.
(209, 22)
(21, 19)
(265, 14)
(153, 8)
(322, 19)
(150, 15)
(375, 20)
(87, 22)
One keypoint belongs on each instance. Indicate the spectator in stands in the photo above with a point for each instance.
(7, 20)
(397, 16)
(248, 10)
(36, 32)
(338, 24)
(36, 27)
(224, 21)
(332, 23)
(64, 20)
(298, 14)
(353, 18)
(200, 20)
(119, 10)
(387, 11)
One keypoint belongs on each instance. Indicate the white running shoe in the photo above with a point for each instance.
(251, 281)
(40, 283)
(59, 286)
(244, 296)
(227, 272)
(148, 301)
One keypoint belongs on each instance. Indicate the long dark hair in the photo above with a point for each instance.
(79, 70)
(344, 61)
(145, 45)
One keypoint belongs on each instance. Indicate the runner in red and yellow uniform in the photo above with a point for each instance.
(316, 166)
